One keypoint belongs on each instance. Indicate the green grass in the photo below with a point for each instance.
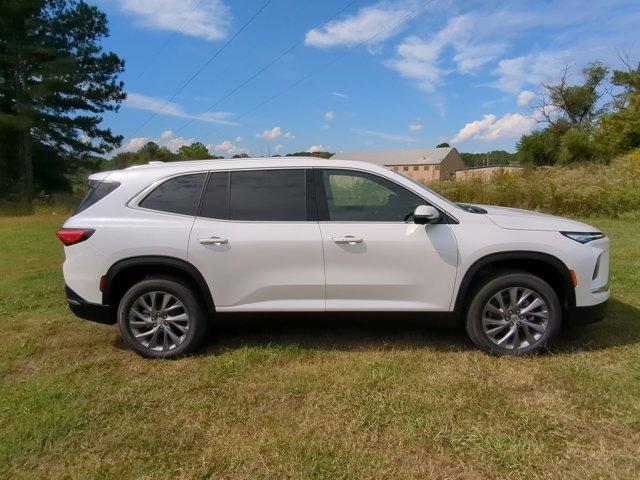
(301, 398)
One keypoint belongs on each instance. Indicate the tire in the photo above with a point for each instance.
(509, 331)
(176, 330)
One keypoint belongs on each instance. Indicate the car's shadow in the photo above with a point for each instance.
(356, 331)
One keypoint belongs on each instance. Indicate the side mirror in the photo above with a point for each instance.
(425, 214)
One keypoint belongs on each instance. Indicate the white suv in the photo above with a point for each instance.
(163, 248)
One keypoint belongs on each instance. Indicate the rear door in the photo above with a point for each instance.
(257, 242)
(376, 258)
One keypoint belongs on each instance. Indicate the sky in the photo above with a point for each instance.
(282, 76)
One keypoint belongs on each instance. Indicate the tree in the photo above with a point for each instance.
(319, 154)
(241, 155)
(443, 145)
(570, 112)
(620, 130)
(195, 151)
(56, 83)
(567, 106)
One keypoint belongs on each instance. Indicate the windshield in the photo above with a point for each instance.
(444, 199)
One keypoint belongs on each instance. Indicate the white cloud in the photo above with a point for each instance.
(340, 95)
(278, 148)
(490, 128)
(416, 126)
(228, 148)
(274, 133)
(152, 104)
(166, 139)
(134, 144)
(525, 98)
(238, 139)
(330, 116)
(419, 60)
(385, 136)
(317, 148)
(361, 26)
(531, 69)
(208, 19)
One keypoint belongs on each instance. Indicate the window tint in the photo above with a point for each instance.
(360, 197)
(97, 191)
(215, 203)
(268, 195)
(176, 195)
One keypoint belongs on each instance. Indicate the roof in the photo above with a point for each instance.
(480, 167)
(163, 169)
(428, 156)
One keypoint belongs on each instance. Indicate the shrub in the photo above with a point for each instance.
(578, 189)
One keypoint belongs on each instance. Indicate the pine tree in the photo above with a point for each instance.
(55, 83)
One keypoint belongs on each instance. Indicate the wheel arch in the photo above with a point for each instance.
(126, 272)
(548, 267)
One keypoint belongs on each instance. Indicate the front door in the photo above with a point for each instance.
(376, 258)
(257, 242)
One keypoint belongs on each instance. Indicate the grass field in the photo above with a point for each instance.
(302, 398)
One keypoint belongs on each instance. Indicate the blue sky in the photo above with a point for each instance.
(378, 75)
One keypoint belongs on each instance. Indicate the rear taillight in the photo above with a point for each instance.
(71, 236)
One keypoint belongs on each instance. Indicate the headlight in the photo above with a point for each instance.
(583, 237)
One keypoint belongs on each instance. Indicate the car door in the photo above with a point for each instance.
(376, 258)
(257, 242)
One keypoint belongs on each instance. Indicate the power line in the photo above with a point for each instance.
(168, 41)
(266, 67)
(200, 70)
(325, 66)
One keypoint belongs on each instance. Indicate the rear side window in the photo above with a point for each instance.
(268, 195)
(176, 195)
(215, 203)
(97, 191)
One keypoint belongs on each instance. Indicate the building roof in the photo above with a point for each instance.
(425, 156)
(480, 167)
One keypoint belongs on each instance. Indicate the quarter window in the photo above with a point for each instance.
(176, 195)
(97, 191)
(361, 197)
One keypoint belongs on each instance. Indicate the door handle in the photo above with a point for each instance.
(350, 239)
(213, 241)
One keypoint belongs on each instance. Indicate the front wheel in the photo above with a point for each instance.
(161, 318)
(514, 314)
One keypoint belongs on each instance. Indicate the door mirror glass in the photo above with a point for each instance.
(425, 214)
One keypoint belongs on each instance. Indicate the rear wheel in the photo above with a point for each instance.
(514, 314)
(161, 318)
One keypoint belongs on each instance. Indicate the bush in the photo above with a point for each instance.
(579, 189)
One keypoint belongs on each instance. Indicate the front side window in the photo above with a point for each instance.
(176, 195)
(361, 197)
(268, 195)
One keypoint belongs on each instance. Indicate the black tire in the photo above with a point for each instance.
(498, 283)
(197, 317)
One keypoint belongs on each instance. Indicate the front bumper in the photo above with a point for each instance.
(94, 312)
(585, 315)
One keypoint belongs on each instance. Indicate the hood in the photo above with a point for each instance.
(516, 219)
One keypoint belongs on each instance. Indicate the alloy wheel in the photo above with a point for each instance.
(159, 321)
(515, 318)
